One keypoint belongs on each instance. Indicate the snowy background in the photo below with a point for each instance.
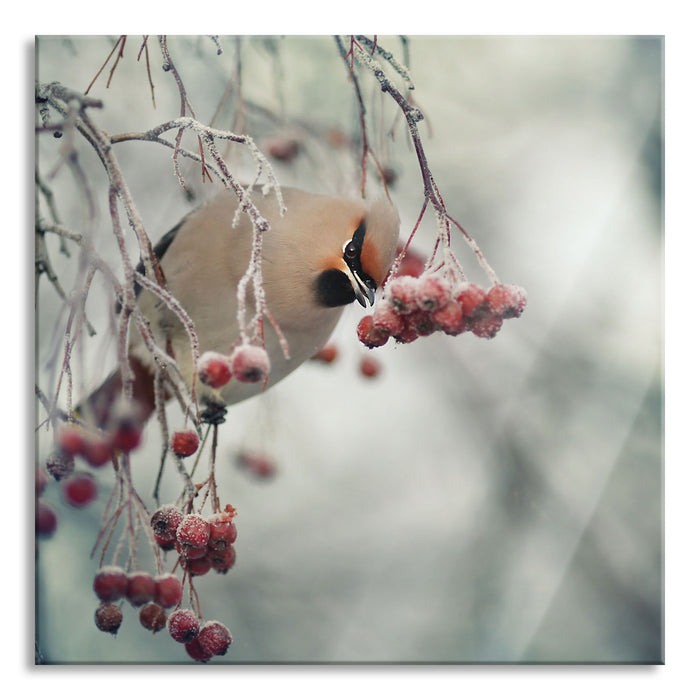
(480, 501)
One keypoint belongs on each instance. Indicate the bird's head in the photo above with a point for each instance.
(363, 250)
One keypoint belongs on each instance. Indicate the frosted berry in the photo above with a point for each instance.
(222, 559)
(327, 354)
(141, 588)
(215, 638)
(184, 442)
(197, 567)
(433, 292)
(164, 523)
(79, 490)
(407, 335)
(401, 293)
(471, 297)
(421, 322)
(369, 367)
(214, 369)
(486, 326)
(110, 583)
(386, 318)
(126, 435)
(193, 531)
(71, 440)
(168, 590)
(450, 318)
(250, 364)
(222, 531)
(153, 617)
(506, 300)
(196, 652)
(190, 552)
(183, 625)
(108, 617)
(60, 465)
(45, 520)
(369, 334)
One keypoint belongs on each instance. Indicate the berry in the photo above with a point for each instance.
(433, 292)
(386, 318)
(197, 567)
(214, 369)
(222, 531)
(97, 451)
(222, 559)
(327, 354)
(412, 264)
(60, 465)
(283, 148)
(164, 523)
(450, 318)
(195, 650)
(140, 589)
(486, 326)
(108, 617)
(470, 297)
(184, 442)
(45, 520)
(127, 433)
(407, 335)
(421, 322)
(506, 300)
(193, 531)
(258, 464)
(369, 367)
(79, 490)
(153, 617)
(402, 292)
(183, 625)
(168, 590)
(215, 638)
(369, 334)
(110, 583)
(250, 364)
(71, 440)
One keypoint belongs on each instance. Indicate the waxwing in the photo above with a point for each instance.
(324, 253)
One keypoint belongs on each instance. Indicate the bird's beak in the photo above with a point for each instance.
(363, 286)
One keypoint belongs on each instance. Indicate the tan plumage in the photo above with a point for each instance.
(206, 258)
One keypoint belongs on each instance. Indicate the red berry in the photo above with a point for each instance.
(197, 567)
(79, 490)
(183, 625)
(402, 292)
(195, 650)
(486, 326)
(141, 588)
(412, 263)
(193, 531)
(153, 617)
(222, 531)
(369, 334)
(450, 318)
(327, 354)
(214, 369)
(506, 300)
(108, 617)
(97, 451)
(127, 434)
(110, 583)
(433, 292)
(215, 638)
(283, 148)
(45, 520)
(71, 440)
(471, 297)
(369, 367)
(421, 322)
(407, 335)
(222, 559)
(189, 552)
(168, 590)
(258, 464)
(164, 523)
(250, 364)
(386, 318)
(184, 442)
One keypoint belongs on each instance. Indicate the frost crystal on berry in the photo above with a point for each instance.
(184, 442)
(471, 297)
(168, 590)
(402, 292)
(369, 334)
(196, 652)
(140, 588)
(110, 583)
(193, 531)
(183, 625)
(251, 364)
(108, 617)
(215, 638)
(214, 369)
(386, 318)
(433, 292)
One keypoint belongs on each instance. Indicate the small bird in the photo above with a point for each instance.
(324, 253)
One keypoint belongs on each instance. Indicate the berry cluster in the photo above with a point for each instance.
(201, 642)
(203, 544)
(247, 363)
(419, 306)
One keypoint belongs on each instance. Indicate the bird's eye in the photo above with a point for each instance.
(350, 250)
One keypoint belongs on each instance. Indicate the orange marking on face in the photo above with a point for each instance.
(370, 261)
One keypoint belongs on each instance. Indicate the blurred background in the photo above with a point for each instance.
(479, 500)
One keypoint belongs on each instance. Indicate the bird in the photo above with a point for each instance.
(323, 253)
